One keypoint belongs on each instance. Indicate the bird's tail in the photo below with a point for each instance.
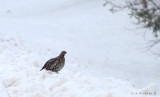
(43, 67)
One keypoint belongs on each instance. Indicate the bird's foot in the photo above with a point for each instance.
(57, 72)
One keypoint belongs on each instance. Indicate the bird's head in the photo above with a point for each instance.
(62, 53)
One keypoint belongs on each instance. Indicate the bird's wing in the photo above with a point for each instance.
(49, 63)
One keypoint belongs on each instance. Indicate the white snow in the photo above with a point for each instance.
(106, 53)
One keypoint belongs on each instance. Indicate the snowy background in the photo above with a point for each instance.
(107, 54)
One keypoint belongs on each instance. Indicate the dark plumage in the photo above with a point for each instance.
(55, 64)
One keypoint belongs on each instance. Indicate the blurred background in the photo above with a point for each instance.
(98, 43)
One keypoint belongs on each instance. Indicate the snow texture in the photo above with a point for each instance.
(105, 57)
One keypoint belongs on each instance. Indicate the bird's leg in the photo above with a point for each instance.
(57, 72)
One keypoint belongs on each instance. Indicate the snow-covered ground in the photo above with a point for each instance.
(106, 54)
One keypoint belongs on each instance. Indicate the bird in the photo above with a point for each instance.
(55, 64)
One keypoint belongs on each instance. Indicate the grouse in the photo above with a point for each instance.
(55, 64)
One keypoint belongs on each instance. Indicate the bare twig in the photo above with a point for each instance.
(6, 89)
(154, 4)
(146, 12)
(154, 43)
(145, 4)
(114, 8)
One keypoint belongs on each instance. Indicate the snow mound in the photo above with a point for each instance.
(20, 77)
(42, 84)
(67, 84)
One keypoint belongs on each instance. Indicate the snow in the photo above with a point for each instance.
(105, 58)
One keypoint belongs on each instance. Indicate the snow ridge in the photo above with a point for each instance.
(20, 77)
